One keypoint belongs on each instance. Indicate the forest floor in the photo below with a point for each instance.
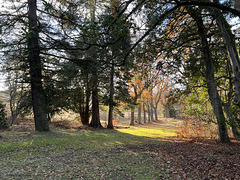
(150, 151)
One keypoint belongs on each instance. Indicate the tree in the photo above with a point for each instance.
(21, 35)
(211, 82)
(35, 66)
(231, 48)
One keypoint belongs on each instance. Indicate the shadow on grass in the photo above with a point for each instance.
(135, 153)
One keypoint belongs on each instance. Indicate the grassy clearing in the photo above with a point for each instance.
(81, 154)
(142, 152)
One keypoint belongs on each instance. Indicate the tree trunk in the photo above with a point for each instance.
(84, 114)
(211, 82)
(132, 117)
(144, 114)
(167, 113)
(229, 40)
(232, 122)
(110, 112)
(38, 97)
(152, 111)
(12, 107)
(149, 113)
(85, 121)
(139, 114)
(95, 122)
(156, 113)
(84, 111)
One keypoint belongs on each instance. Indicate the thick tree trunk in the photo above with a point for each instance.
(110, 112)
(132, 117)
(211, 82)
(95, 122)
(139, 114)
(38, 97)
(229, 40)
(144, 114)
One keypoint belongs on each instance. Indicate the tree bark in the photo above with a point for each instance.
(95, 122)
(132, 117)
(149, 113)
(144, 114)
(152, 110)
(139, 113)
(35, 65)
(87, 108)
(211, 82)
(110, 112)
(156, 113)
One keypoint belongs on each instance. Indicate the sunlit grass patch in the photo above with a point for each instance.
(151, 132)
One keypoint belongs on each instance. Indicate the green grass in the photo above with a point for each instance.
(83, 154)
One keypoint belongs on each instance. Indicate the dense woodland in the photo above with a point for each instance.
(125, 55)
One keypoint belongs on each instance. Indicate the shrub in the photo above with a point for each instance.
(3, 114)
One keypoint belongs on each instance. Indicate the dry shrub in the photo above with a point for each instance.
(115, 122)
(190, 128)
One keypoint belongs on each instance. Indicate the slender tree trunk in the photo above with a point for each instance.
(152, 110)
(151, 105)
(139, 113)
(85, 120)
(232, 121)
(149, 113)
(110, 112)
(229, 40)
(84, 112)
(38, 97)
(12, 105)
(144, 114)
(132, 117)
(211, 82)
(156, 113)
(232, 117)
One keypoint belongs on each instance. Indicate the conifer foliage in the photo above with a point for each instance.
(3, 118)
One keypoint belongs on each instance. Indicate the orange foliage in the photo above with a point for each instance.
(191, 129)
(115, 122)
